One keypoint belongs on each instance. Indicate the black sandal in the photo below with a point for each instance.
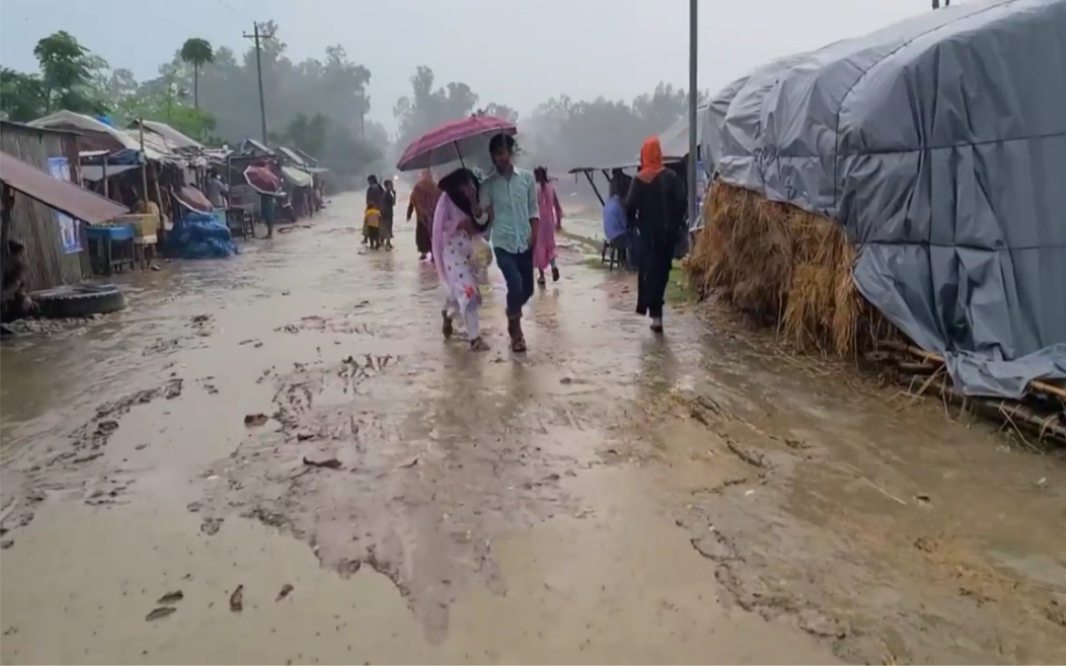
(555, 274)
(447, 329)
(518, 345)
(478, 345)
(541, 281)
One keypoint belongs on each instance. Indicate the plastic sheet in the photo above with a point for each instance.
(940, 144)
(199, 235)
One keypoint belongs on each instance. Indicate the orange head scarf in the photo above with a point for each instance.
(651, 159)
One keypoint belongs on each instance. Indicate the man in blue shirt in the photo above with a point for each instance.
(510, 196)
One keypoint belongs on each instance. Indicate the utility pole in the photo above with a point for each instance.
(362, 115)
(693, 109)
(259, 74)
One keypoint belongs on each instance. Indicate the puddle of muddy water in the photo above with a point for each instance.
(618, 585)
(609, 496)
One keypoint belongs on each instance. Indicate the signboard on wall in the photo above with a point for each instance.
(69, 228)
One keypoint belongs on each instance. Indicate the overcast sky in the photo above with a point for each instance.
(515, 52)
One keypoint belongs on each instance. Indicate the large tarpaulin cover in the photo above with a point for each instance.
(940, 143)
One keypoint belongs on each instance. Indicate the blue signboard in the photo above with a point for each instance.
(69, 229)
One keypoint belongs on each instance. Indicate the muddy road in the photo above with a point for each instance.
(277, 458)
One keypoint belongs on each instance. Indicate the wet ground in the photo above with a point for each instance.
(285, 439)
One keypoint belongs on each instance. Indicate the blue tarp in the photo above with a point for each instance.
(200, 236)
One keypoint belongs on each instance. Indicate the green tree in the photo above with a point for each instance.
(21, 95)
(67, 79)
(67, 73)
(197, 52)
(499, 111)
(426, 107)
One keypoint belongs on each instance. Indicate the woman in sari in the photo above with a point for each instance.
(551, 218)
(456, 235)
(423, 203)
(656, 201)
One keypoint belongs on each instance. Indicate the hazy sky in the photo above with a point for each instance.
(513, 52)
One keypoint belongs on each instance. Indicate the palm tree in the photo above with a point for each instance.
(197, 52)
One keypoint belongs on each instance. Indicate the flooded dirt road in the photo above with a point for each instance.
(277, 458)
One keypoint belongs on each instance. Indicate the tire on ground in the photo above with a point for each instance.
(79, 301)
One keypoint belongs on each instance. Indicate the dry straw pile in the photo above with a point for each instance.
(788, 267)
(792, 269)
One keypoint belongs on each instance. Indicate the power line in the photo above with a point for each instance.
(230, 7)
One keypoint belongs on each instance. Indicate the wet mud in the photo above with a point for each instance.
(281, 447)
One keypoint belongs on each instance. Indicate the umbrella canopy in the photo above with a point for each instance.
(262, 179)
(452, 140)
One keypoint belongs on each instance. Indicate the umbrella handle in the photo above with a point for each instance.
(459, 152)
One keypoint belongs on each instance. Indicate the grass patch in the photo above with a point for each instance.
(590, 244)
(678, 289)
(594, 261)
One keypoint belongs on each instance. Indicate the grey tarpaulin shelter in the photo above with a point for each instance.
(940, 144)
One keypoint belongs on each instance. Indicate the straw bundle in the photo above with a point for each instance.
(789, 268)
(792, 269)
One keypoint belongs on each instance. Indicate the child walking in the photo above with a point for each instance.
(372, 227)
(551, 219)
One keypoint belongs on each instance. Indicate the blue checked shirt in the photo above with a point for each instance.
(514, 203)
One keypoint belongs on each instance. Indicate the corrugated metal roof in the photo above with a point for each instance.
(156, 147)
(175, 138)
(59, 194)
(308, 159)
(9, 124)
(253, 146)
(288, 152)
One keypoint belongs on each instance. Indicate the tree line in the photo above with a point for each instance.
(319, 105)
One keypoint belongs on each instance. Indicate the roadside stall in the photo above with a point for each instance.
(70, 202)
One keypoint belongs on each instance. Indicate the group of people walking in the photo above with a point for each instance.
(377, 222)
(520, 212)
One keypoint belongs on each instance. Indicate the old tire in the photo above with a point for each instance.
(81, 300)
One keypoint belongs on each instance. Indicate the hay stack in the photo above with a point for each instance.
(787, 267)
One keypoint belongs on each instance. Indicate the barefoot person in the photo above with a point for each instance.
(509, 194)
(455, 235)
(657, 201)
(551, 219)
(423, 203)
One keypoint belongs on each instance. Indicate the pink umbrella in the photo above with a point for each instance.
(262, 179)
(449, 141)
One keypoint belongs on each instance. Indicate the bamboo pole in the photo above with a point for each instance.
(144, 162)
(158, 194)
(935, 358)
(1012, 413)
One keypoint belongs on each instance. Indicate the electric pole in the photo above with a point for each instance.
(362, 115)
(259, 75)
(693, 110)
